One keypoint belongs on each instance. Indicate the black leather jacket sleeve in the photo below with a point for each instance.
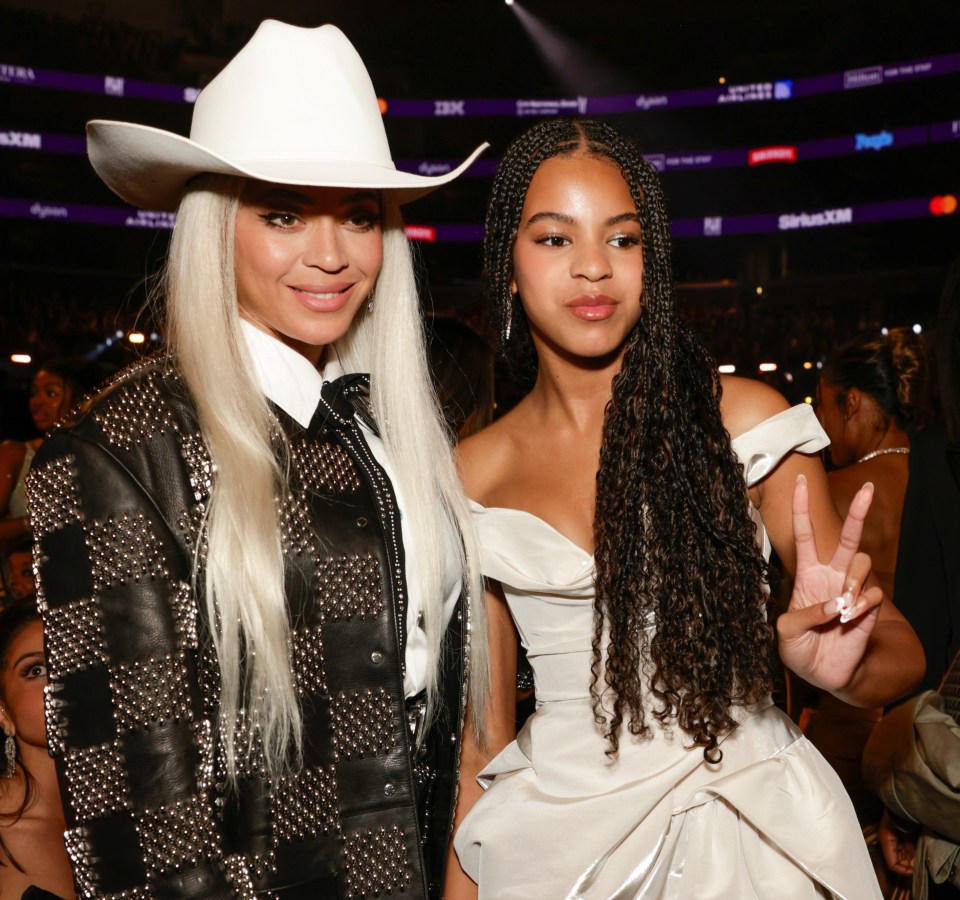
(125, 718)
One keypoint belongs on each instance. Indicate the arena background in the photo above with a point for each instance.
(807, 161)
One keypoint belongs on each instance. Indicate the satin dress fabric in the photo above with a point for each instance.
(559, 819)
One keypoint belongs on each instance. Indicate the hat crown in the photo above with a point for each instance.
(296, 94)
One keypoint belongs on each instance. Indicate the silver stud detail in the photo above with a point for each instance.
(74, 637)
(177, 836)
(362, 724)
(137, 893)
(80, 851)
(376, 861)
(305, 805)
(56, 726)
(199, 465)
(238, 874)
(185, 613)
(53, 495)
(249, 761)
(203, 735)
(192, 525)
(296, 532)
(122, 550)
(308, 665)
(150, 691)
(350, 587)
(324, 468)
(96, 781)
(134, 412)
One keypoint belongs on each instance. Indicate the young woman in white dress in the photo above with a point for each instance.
(626, 507)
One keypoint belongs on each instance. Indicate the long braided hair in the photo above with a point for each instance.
(675, 544)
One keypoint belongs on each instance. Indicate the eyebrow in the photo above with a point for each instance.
(23, 656)
(564, 219)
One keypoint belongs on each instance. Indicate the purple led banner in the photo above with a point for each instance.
(755, 92)
(841, 145)
(86, 215)
(708, 226)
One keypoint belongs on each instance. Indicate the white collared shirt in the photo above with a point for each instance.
(293, 383)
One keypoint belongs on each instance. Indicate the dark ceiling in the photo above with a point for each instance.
(433, 50)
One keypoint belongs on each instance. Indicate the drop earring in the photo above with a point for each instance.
(10, 751)
(509, 319)
(370, 302)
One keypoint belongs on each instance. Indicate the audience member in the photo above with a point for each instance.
(33, 856)
(868, 392)
(55, 388)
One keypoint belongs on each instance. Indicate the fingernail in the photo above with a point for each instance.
(847, 597)
(838, 604)
(867, 486)
(850, 613)
(801, 479)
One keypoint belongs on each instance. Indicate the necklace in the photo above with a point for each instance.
(883, 452)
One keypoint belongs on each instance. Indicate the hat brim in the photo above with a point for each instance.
(149, 167)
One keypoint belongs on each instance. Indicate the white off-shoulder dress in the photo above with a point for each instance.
(559, 819)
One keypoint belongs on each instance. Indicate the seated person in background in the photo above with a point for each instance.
(18, 580)
(55, 389)
(32, 852)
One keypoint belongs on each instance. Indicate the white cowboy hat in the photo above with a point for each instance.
(294, 106)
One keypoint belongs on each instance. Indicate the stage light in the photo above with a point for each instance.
(808, 400)
(759, 291)
(24, 359)
(722, 80)
(727, 369)
(789, 377)
(136, 337)
(917, 328)
(808, 365)
(768, 367)
(575, 68)
(509, 2)
(884, 331)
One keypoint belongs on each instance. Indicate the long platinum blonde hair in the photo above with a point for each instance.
(243, 579)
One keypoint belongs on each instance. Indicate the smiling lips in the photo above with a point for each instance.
(593, 308)
(323, 297)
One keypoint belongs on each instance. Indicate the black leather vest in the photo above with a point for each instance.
(117, 501)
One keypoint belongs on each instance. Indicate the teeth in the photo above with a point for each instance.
(329, 296)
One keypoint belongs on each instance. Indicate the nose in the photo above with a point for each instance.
(326, 250)
(591, 261)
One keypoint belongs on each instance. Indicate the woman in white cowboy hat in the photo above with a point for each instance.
(251, 555)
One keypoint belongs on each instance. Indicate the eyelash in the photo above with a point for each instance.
(27, 669)
(628, 240)
(363, 221)
(272, 220)
(548, 239)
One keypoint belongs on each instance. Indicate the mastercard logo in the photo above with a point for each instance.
(943, 206)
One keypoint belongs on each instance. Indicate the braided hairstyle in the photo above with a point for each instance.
(675, 544)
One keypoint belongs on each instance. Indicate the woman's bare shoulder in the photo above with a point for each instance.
(745, 403)
(485, 458)
(12, 452)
